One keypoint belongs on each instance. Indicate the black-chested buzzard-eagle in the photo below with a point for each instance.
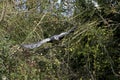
(51, 39)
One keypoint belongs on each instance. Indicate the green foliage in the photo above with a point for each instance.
(90, 53)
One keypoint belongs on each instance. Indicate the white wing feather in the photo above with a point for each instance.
(34, 45)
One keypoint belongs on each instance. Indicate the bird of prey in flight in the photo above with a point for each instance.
(51, 39)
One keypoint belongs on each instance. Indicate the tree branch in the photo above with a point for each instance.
(3, 11)
(111, 63)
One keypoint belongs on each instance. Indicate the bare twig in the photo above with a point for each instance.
(88, 66)
(111, 62)
(104, 20)
(3, 11)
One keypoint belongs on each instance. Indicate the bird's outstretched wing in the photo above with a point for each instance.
(35, 45)
(51, 39)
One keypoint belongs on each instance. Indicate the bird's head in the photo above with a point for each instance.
(55, 38)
